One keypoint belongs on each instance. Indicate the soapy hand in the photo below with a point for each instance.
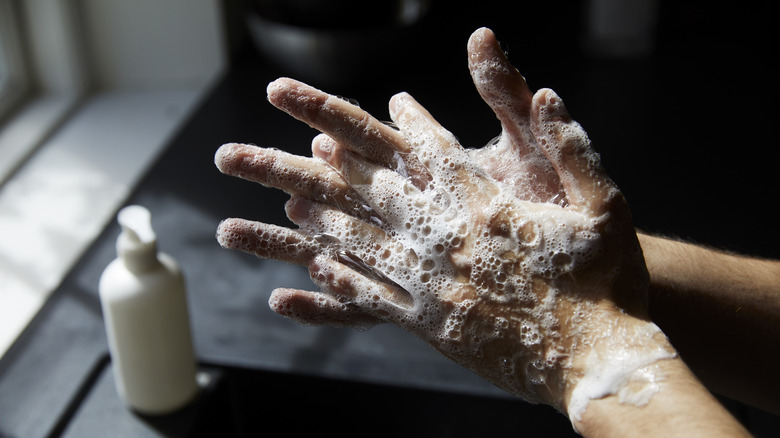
(518, 260)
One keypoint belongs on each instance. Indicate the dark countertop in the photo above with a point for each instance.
(685, 133)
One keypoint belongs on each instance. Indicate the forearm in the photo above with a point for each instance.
(722, 314)
(681, 407)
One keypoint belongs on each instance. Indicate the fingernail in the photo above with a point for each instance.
(398, 101)
(228, 235)
(225, 154)
(323, 147)
(278, 91)
(299, 208)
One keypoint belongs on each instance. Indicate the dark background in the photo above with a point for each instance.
(686, 130)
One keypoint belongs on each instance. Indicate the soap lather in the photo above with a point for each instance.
(144, 303)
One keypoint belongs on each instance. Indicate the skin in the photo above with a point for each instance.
(523, 266)
(735, 302)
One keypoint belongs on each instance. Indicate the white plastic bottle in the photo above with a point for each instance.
(147, 321)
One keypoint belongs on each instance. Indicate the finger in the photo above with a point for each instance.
(361, 286)
(424, 135)
(348, 297)
(437, 149)
(317, 308)
(294, 174)
(334, 227)
(351, 126)
(363, 248)
(385, 194)
(501, 86)
(515, 158)
(271, 167)
(347, 124)
(568, 148)
(353, 168)
(327, 149)
(267, 241)
(450, 165)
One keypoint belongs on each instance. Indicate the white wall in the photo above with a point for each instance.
(150, 43)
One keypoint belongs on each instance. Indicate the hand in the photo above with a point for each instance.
(518, 261)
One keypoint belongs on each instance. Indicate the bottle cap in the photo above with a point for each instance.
(137, 243)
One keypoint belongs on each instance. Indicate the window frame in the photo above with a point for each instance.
(14, 85)
(49, 75)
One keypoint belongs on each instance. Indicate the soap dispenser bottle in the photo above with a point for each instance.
(144, 306)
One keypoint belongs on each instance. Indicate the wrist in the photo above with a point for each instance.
(681, 406)
(618, 359)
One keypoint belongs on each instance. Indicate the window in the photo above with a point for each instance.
(42, 75)
(75, 136)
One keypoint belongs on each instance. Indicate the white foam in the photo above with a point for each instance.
(615, 369)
